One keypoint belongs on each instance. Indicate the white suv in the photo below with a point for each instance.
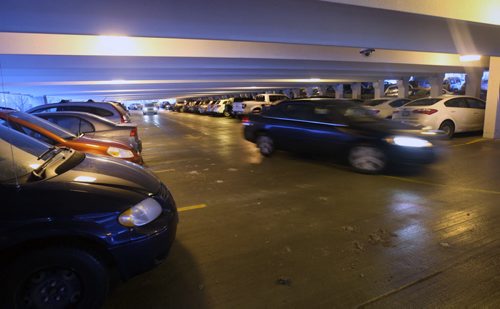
(448, 113)
(255, 107)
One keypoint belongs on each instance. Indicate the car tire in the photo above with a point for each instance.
(448, 127)
(265, 145)
(57, 277)
(367, 159)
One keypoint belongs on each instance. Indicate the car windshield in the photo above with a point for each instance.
(374, 102)
(47, 125)
(423, 102)
(149, 105)
(19, 154)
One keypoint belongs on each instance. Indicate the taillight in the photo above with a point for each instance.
(426, 111)
(245, 120)
(133, 132)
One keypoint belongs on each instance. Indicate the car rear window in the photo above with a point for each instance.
(374, 102)
(88, 109)
(424, 102)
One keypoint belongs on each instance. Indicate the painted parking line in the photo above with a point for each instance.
(421, 182)
(193, 207)
(471, 142)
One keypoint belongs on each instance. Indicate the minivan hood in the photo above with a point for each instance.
(387, 126)
(111, 172)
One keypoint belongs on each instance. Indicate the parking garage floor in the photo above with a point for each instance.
(306, 232)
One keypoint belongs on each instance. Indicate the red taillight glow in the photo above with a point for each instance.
(133, 132)
(245, 120)
(426, 111)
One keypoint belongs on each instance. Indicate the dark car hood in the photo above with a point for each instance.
(110, 172)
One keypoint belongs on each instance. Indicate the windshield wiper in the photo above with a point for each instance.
(51, 148)
(38, 172)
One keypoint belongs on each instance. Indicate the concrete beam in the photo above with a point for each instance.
(101, 45)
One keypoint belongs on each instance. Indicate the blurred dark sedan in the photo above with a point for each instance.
(340, 128)
(94, 126)
(72, 221)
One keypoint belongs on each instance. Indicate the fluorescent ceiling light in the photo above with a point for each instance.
(468, 58)
(314, 79)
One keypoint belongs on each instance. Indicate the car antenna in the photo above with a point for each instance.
(3, 85)
(14, 166)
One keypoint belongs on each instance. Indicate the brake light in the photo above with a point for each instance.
(426, 111)
(245, 121)
(133, 132)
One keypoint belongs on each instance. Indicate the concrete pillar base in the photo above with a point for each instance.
(378, 87)
(492, 112)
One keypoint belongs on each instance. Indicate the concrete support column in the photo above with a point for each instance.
(356, 90)
(436, 85)
(322, 90)
(339, 91)
(473, 82)
(378, 88)
(492, 112)
(403, 88)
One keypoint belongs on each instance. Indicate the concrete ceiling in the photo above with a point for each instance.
(158, 49)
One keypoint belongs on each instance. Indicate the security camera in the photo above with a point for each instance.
(367, 51)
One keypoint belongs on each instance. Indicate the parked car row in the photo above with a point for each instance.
(230, 107)
(79, 214)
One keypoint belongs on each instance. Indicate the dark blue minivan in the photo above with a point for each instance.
(339, 128)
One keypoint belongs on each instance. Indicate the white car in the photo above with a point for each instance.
(222, 107)
(384, 107)
(448, 113)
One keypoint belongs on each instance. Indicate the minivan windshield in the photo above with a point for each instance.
(20, 159)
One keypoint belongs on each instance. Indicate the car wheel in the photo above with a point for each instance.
(448, 127)
(56, 277)
(367, 159)
(265, 145)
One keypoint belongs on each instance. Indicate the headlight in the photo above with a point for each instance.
(141, 214)
(120, 152)
(407, 141)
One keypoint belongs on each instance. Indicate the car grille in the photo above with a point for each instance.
(165, 198)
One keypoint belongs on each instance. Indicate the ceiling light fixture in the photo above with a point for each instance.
(468, 58)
